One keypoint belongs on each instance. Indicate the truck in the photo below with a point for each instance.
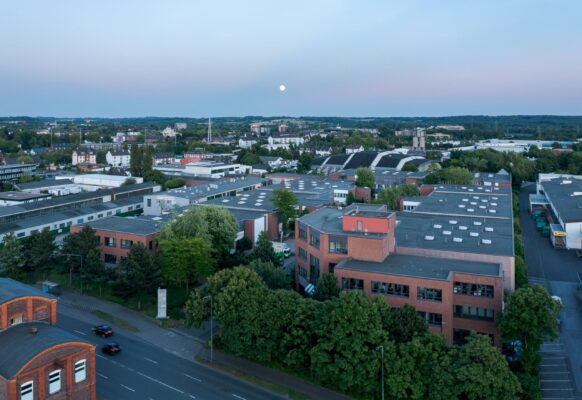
(281, 249)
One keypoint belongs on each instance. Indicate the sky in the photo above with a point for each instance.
(190, 58)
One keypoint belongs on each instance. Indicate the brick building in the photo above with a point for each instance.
(37, 359)
(450, 263)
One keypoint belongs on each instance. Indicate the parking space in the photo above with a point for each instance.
(556, 270)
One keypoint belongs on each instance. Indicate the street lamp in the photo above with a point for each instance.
(381, 348)
(211, 330)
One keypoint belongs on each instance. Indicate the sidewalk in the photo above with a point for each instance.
(185, 342)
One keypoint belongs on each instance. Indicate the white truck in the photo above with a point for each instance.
(281, 249)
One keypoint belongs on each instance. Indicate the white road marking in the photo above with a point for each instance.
(102, 376)
(80, 333)
(161, 383)
(100, 356)
(150, 360)
(192, 397)
(127, 387)
(238, 397)
(191, 377)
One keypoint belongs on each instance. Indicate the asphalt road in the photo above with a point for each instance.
(142, 371)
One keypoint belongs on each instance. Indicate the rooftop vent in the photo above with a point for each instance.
(486, 241)
(494, 204)
(461, 206)
(495, 198)
(462, 228)
(447, 233)
(492, 211)
(473, 203)
(470, 210)
(477, 223)
(566, 182)
(457, 240)
(437, 226)
(484, 200)
(482, 207)
(429, 237)
(489, 229)
(476, 197)
(471, 190)
(474, 234)
(453, 222)
(465, 200)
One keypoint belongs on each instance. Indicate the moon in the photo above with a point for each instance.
(282, 88)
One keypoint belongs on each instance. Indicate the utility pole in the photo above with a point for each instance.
(209, 139)
(211, 330)
(381, 348)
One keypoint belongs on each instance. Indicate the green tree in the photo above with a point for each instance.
(147, 161)
(274, 278)
(12, 256)
(391, 195)
(456, 176)
(155, 176)
(350, 199)
(186, 259)
(129, 181)
(191, 223)
(404, 324)
(264, 250)
(141, 273)
(136, 160)
(24, 159)
(327, 287)
(85, 244)
(409, 167)
(40, 248)
(175, 183)
(286, 202)
(304, 163)
(221, 227)
(530, 315)
(481, 372)
(365, 178)
(432, 179)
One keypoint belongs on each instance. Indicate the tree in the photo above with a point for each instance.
(155, 176)
(191, 223)
(40, 248)
(365, 178)
(304, 164)
(264, 250)
(85, 244)
(456, 176)
(530, 315)
(350, 199)
(432, 179)
(391, 195)
(175, 183)
(286, 202)
(129, 181)
(24, 159)
(327, 287)
(186, 259)
(221, 227)
(140, 273)
(135, 161)
(410, 167)
(404, 324)
(481, 372)
(274, 278)
(11, 256)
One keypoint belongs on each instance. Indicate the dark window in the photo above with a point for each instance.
(109, 241)
(302, 272)
(314, 238)
(470, 312)
(391, 289)
(338, 244)
(473, 289)
(429, 294)
(352, 284)
(460, 336)
(303, 232)
(431, 318)
(149, 202)
(99, 215)
(110, 259)
(331, 267)
(314, 269)
(151, 244)
(302, 253)
(126, 244)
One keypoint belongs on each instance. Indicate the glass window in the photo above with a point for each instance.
(55, 381)
(429, 294)
(110, 259)
(302, 253)
(314, 238)
(303, 232)
(109, 241)
(314, 269)
(126, 244)
(473, 289)
(352, 284)
(470, 312)
(80, 371)
(391, 289)
(331, 267)
(302, 272)
(149, 202)
(27, 391)
(338, 244)
(431, 318)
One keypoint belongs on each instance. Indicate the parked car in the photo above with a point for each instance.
(558, 319)
(103, 330)
(111, 348)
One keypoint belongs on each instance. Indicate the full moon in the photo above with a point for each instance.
(282, 88)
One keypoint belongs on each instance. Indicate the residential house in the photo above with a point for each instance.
(84, 155)
(118, 158)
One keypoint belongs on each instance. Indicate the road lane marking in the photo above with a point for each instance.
(161, 383)
(150, 360)
(191, 377)
(79, 332)
(192, 397)
(100, 356)
(238, 397)
(102, 376)
(127, 387)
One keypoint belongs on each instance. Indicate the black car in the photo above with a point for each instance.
(103, 330)
(111, 348)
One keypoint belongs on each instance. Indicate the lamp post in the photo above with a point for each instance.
(211, 330)
(381, 348)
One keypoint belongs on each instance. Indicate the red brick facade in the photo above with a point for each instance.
(27, 309)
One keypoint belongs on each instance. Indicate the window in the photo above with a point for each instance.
(314, 238)
(55, 381)
(352, 284)
(109, 213)
(470, 312)
(16, 319)
(149, 202)
(331, 267)
(391, 289)
(110, 259)
(27, 391)
(126, 244)
(90, 218)
(62, 225)
(99, 215)
(303, 232)
(80, 371)
(302, 272)
(151, 244)
(429, 294)
(338, 244)
(314, 269)
(431, 318)
(473, 289)
(302, 253)
(21, 234)
(80, 221)
(109, 241)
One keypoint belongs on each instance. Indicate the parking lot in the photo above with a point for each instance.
(561, 365)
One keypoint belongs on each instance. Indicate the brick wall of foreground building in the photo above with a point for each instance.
(25, 309)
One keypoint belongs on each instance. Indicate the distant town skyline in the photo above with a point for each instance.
(334, 58)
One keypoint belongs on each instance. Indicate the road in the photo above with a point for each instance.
(142, 371)
(560, 368)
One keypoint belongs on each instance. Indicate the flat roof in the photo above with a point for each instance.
(134, 226)
(21, 343)
(421, 267)
(11, 289)
(215, 187)
(565, 197)
(21, 196)
(44, 184)
(253, 200)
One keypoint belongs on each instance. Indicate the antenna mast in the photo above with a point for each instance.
(209, 140)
